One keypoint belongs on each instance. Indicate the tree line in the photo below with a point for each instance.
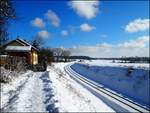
(134, 59)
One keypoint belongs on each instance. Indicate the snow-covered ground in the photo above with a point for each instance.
(110, 63)
(55, 91)
(72, 96)
(132, 83)
(50, 91)
(30, 92)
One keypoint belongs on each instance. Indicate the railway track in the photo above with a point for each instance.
(117, 102)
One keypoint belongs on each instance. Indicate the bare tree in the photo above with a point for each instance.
(37, 42)
(3, 35)
(57, 53)
(60, 53)
(45, 55)
(66, 54)
(6, 13)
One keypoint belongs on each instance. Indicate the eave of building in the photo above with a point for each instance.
(18, 48)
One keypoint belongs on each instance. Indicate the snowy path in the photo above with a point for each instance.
(118, 103)
(29, 93)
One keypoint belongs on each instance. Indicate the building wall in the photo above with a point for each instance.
(22, 54)
(31, 57)
(34, 58)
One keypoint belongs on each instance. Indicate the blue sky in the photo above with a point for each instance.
(77, 25)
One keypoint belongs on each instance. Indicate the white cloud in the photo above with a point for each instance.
(53, 18)
(86, 27)
(137, 47)
(87, 9)
(43, 34)
(64, 33)
(137, 43)
(137, 25)
(99, 50)
(38, 22)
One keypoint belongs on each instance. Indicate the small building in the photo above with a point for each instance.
(22, 48)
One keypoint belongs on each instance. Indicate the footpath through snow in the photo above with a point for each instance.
(29, 93)
(50, 91)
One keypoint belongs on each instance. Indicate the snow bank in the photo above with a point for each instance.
(130, 82)
(71, 96)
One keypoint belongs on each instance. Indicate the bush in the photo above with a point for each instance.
(9, 72)
(6, 75)
(20, 66)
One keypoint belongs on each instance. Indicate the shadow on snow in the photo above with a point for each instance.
(48, 92)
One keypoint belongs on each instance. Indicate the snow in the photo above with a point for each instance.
(31, 96)
(20, 40)
(132, 83)
(8, 75)
(117, 64)
(49, 91)
(55, 91)
(30, 92)
(8, 90)
(73, 97)
(18, 48)
(3, 55)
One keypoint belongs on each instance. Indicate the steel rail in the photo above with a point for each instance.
(119, 98)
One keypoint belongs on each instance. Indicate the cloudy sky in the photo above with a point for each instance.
(93, 28)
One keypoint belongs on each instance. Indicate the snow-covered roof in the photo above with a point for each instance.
(25, 46)
(3, 55)
(19, 39)
(18, 48)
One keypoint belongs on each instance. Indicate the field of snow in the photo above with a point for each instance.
(110, 63)
(132, 83)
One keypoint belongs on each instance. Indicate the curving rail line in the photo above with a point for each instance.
(119, 103)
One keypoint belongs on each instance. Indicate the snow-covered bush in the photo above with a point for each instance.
(20, 66)
(6, 75)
